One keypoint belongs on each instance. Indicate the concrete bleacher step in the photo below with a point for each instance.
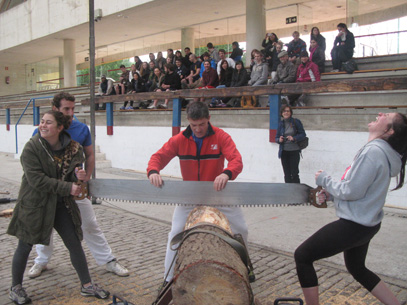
(363, 74)
(376, 62)
(100, 159)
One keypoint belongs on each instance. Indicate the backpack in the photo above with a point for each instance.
(248, 101)
(350, 66)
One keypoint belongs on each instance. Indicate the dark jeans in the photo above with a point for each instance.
(63, 224)
(290, 161)
(340, 55)
(339, 236)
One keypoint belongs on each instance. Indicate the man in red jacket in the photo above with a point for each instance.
(202, 149)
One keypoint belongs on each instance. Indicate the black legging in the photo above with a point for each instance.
(64, 225)
(339, 236)
(290, 161)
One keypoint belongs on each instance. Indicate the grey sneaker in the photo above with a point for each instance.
(115, 267)
(36, 270)
(94, 291)
(18, 295)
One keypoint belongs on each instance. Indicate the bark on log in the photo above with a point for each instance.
(208, 270)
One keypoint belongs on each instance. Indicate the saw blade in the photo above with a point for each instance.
(193, 193)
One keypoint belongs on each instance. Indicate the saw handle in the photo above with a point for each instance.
(313, 198)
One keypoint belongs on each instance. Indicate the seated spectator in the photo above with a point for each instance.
(269, 45)
(307, 70)
(260, 71)
(275, 61)
(237, 52)
(180, 69)
(252, 61)
(343, 47)
(150, 76)
(156, 80)
(168, 60)
(133, 70)
(225, 79)
(206, 56)
(193, 80)
(239, 79)
(160, 61)
(145, 73)
(222, 56)
(210, 78)
(178, 55)
(213, 52)
(171, 56)
(121, 87)
(317, 55)
(152, 58)
(124, 71)
(135, 86)
(286, 71)
(105, 88)
(171, 82)
(295, 47)
(187, 62)
(316, 35)
(137, 62)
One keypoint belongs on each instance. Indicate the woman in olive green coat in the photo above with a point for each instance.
(51, 162)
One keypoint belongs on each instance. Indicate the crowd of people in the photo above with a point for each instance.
(274, 64)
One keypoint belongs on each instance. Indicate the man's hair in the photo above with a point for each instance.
(206, 54)
(187, 48)
(342, 25)
(197, 110)
(122, 66)
(296, 32)
(170, 67)
(209, 45)
(222, 51)
(56, 102)
(178, 59)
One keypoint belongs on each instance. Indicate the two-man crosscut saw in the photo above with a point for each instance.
(195, 193)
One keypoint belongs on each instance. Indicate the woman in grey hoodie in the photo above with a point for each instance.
(359, 198)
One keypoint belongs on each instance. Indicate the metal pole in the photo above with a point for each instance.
(92, 76)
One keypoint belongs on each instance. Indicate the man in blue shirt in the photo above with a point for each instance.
(92, 234)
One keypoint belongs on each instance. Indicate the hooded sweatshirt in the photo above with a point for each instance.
(361, 194)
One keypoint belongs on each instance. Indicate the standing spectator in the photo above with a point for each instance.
(137, 62)
(160, 61)
(200, 138)
(295, 47)
(317, 56)
(222, 56)
(237, 52)
(290, 131)
(193, 80)
(239, 79)
(50, 161)
(359, 198)
(307, 71)
(275, 61)
(180, 69)
(213, 52)
(269, 44)
(105, 88)
(343, 47)
(286, 72)
(187, 61)
(170, 82)
(260, 71)
(225, 80)
(316, 35)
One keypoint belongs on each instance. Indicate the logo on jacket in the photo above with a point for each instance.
(214, 146)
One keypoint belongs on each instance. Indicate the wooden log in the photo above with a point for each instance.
(208, 270)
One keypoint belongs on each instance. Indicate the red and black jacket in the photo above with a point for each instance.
(204, 166)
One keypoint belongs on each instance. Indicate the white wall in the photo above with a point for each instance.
(131, 148)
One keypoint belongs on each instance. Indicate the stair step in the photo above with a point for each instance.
(103, 164)
(100, 156)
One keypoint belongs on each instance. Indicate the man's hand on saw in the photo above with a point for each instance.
(156, 180)
(80, 174)
(220, 182)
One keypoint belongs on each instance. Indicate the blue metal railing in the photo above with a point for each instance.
(36, 113)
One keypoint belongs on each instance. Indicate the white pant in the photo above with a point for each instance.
(234, 215)
(92, 234)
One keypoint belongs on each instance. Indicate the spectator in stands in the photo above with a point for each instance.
(150, 76)
(105, 88)
(121, 87)
(316, 35)
(136, 85)
(156, 80)
(187, 61)
(171, 56)
(286, 71)
(168, 60)
(269, 44)
(222, 56)
(260, 71)
(160, 61)
(237, 52)
(180, 69)
(252, 61)
(317, 55)
(239, 79)
(152, 58)
(225, 80)
(145, 72)
(307, 71)
(290, 131)
(275, 61)
(343, 47)
(193, 80)
(137, 62)
(133, 70)
(295, 47)
(206, 56)
(210, 78)
(213, 52)
(171, 82)
(124, 71)
(178, 55)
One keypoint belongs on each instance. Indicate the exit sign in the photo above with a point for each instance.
(291, 20)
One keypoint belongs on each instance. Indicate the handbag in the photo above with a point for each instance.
(303, 143)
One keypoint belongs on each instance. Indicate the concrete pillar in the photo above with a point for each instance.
(69, 63)
(61, 71)
(255, 25)
(352, 12)
(187, 39)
